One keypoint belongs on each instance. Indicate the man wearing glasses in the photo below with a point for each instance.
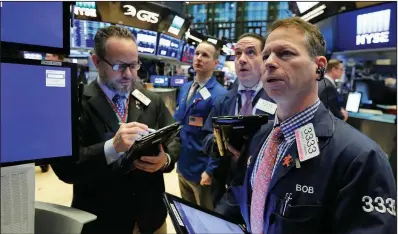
(327, 89)
(116, 110)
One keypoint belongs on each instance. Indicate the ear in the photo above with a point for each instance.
(321, 61)
(96, 60)
(216, 62)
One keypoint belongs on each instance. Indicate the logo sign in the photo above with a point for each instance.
(373, 27)
(85, 9)
(145, 16)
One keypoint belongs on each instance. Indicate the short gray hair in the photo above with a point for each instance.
(103, 34)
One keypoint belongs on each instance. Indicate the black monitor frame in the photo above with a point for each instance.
(12, 46)
(74, 111)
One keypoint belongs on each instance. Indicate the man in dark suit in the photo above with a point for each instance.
(327, 89)
(247, 98)
(112, 118)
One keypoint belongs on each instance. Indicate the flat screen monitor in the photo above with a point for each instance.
(83, 33)
(178, 81)
(353, 102)
(38, 111)
(159, 81)
(146, 40)
(188, 53)
(362, 86)
(168, 46)
(35, 26)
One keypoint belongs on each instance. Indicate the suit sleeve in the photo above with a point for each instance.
(367, 197)
(164, 119)
(330, 98)
(213, 162)
(91, 164)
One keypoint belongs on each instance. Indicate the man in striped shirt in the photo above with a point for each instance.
(309, 172)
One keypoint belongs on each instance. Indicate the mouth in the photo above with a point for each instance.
(244, 70)
(125, 81)
(273, 80)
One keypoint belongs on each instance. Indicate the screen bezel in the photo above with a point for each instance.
(66, 17)
(359, 105)
(74, 112)
(169, 198)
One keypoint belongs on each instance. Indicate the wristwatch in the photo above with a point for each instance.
(167, 162)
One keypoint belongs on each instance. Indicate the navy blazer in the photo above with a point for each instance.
(192, 161)
(348, 188)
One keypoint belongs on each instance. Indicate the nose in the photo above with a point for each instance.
(128, 72)
(242, 59)
(270, 62)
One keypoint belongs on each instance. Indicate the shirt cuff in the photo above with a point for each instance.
(110, 153)
(168, 161)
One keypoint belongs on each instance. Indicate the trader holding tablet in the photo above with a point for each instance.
(195, 100)
(309, 172)
(116, 111)
(247, 99)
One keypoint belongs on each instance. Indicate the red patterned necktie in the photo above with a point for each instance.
(262, 181)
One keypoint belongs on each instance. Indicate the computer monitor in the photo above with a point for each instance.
(178, 81)
(83, 33)
(159, 81)
(168, 46)
(35, 26)
(39, 111)
(362, 86)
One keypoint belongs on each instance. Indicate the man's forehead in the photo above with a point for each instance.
(205, 47)
(247, 42)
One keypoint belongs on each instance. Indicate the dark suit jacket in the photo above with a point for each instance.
(118, 200)
(330, 97)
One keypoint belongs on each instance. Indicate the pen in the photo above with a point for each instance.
(150, 130)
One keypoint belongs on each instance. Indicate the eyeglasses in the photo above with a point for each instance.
(122, 67)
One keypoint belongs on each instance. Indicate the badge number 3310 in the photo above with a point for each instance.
(379, 205)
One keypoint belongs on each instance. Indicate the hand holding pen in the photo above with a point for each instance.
(128, 133)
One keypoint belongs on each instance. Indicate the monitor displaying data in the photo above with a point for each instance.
(159, 81)
(188, 53)
(37, 111)
(169, 46)
(35, 24)
(177, 81)
(83, 33)
(146, 40)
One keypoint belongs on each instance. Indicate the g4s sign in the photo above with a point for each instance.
(142, 15)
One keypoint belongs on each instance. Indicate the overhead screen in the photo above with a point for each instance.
(369, 28)
(38, 117)
(169, 47)
(39, 26)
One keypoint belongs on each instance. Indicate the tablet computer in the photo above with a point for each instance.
(149, 145)
(189, 218)
(232, 133)
(353, 102)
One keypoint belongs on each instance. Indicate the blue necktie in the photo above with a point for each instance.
(119, 103)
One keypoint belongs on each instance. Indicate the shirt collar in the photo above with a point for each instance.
(330, 79)
(108, 92)
(257, 88)
(296, 121)
(202, 84)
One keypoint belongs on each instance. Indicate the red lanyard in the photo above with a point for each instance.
(121, 118)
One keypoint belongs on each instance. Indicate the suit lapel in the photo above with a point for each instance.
(324, 128)
(101, 106)
(230, 103)
(287, 163)
(135, 108)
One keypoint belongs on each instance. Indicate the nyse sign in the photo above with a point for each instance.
(373, 27)
(142, 15)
